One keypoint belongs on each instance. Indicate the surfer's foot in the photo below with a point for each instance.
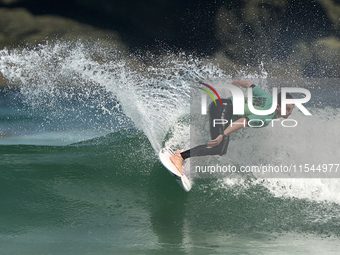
(177, 160)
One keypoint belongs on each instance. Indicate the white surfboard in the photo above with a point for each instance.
(164, 157)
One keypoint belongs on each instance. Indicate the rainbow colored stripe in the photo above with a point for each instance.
(212, 89)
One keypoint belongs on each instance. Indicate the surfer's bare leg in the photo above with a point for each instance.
(177, 160)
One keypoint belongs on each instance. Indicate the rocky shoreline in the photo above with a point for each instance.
(287, 37)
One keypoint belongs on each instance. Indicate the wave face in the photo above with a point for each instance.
(80, 128)
(89, 86)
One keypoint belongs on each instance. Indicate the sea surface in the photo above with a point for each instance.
(80, 128)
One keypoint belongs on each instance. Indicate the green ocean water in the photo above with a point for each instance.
(97, 197)
(79, 172)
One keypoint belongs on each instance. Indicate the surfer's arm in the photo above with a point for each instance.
(247, 84)
(242, 83)
(236, 125)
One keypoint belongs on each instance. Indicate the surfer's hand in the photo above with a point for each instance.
(216, 141)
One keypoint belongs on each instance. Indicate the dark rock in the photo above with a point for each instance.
(320, 58)
(283, 36)
(10, 2)
(18, 26)
(263, 30)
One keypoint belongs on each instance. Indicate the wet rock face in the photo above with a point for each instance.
(268, 29)
(19, 26)
(16, 25)
(250, 31)
(302, 34)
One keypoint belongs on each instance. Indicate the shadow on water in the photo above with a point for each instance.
(167, 209)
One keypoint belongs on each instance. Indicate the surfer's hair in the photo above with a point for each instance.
(288, 96)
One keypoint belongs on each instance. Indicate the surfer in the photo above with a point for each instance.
(220, 133)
